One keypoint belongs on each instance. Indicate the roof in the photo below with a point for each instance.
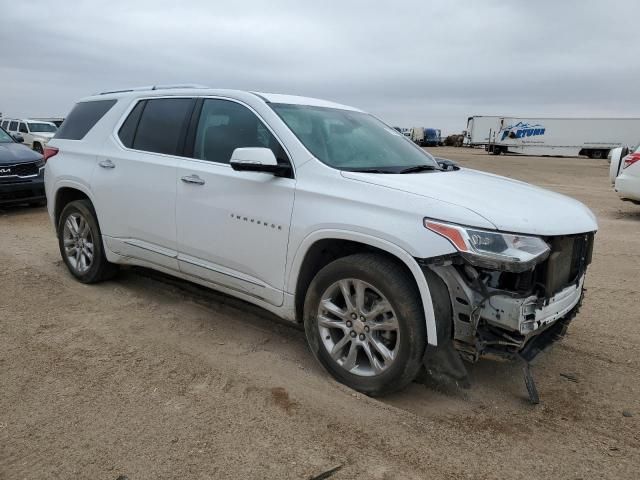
(28, 120)
(297, 100)
(203, 91)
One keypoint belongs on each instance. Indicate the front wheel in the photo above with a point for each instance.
(38, 148)
(81, 245)
(365, 323)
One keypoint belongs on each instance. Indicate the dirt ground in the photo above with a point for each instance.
(148, 379)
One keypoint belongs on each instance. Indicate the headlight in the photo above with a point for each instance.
(493, 250)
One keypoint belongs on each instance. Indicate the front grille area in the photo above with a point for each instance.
(570, 255)
(21, 170)
(569, 258)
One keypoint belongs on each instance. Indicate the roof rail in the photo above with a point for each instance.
(154, 87)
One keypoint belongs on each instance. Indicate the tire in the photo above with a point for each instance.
(38, 148)
(87, 270)
(372, 373)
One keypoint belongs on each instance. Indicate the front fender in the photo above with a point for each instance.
(402, 255)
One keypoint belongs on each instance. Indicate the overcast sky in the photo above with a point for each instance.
(411, 63)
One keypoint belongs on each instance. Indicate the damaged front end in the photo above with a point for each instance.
(504, 297)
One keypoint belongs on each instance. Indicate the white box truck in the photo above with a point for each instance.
(593, 137)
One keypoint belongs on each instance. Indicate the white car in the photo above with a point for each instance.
(624, 173)
(321, 214)
(36, 133)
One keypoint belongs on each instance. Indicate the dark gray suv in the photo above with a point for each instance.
(21, 173)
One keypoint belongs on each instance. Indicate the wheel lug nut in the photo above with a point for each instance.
(349, 324)
(354, 316)
(361, 336)
(362, 318)
(366, 328)
(353, 334)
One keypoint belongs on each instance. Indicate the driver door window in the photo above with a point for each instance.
(225, 126)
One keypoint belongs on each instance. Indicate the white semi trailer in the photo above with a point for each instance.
(593, 137)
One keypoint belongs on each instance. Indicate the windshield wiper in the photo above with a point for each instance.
(419, 168)
(368, 170)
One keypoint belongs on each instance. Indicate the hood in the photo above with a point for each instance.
(12, 153)
(510, 205)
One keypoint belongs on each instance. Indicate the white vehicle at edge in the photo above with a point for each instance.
(321, 214)
(624, 173)
(36, 133)
(593, 137)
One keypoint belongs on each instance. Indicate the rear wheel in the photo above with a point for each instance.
(365, 324)
(38, 148)
(81, 245)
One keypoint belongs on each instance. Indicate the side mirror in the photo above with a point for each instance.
(17, 137)
(447, 164)
(257, 159)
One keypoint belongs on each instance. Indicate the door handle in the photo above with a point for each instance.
(194, 179)
(107, 164)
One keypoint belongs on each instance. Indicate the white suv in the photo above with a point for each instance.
(322, 214)
(36, 133)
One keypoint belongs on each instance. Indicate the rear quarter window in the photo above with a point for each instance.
(82, 118)
(127, 131)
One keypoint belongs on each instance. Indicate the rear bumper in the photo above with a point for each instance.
(628, 187)
(22, 191)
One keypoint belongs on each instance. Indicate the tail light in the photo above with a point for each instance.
(50, 152)
(630, 160)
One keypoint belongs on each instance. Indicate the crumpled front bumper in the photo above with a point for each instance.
(527, 315)
(504, 324)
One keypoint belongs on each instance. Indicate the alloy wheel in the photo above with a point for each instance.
(358, 327)
(78, 242)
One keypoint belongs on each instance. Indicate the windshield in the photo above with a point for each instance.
(349, 140)
(5, 137)
(41, 127)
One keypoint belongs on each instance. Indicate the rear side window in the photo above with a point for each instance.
(13, 126)
(127, 131)
(82, 118)
(162, 125)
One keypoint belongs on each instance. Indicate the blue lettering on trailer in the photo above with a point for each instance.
(521, 130)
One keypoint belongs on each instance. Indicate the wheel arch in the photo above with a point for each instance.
(322, 247)
(63, 196)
